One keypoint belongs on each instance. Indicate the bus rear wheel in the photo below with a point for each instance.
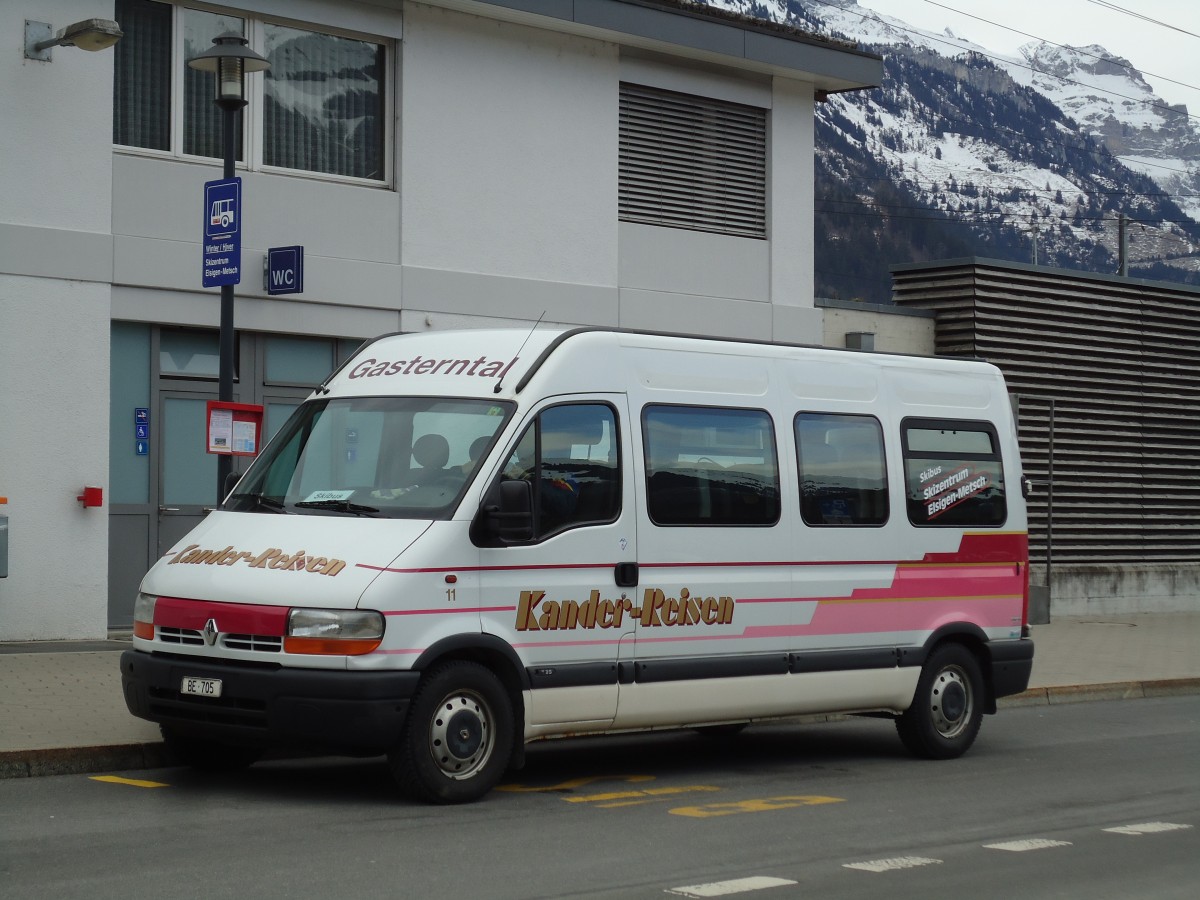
(947, 709)
(458, 736)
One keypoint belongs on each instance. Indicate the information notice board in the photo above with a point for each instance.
(233, 428)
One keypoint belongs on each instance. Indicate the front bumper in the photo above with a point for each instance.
(311, 709)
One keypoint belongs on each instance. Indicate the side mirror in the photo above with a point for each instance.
(231, 481)
(507, 514)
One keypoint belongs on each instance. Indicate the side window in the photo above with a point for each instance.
(710, 466)
(953, 473)
(843, 474)
(569, 455)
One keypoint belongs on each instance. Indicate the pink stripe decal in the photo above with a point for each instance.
(448, 610)
(912, 615)
(436, 569)
(1004, 547)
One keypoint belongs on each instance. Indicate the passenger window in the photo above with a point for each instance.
(954, 473)
(843, 473)
(709, 466)
(569, 455)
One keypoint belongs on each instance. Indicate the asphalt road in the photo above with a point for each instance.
(776, 813)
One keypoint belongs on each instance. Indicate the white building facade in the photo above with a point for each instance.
(452, 163)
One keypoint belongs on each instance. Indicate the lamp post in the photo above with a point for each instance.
(229, 60)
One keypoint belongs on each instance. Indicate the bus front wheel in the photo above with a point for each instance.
(947, 709)
(458, 736)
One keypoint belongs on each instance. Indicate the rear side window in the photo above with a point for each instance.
(710, 466)
(843, 475)
(953, 473)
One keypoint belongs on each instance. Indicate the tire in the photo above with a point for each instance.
(207, 755)
(458, 736)
(947, 710)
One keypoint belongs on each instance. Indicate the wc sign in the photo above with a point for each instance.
(283, 270)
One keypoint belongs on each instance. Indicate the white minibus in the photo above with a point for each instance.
(465, 541)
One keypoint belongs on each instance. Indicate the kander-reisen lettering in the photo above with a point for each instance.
(536, 613)
(272, 558)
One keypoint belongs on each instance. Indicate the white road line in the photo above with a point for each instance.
(1147, 828)
(887, 865)
(725, 888)
(1028, 844)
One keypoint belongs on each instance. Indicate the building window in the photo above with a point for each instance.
(299, 361)
(954, 473)
(190, 354)
(843, 474)
(710, 466)
(202, 135)
(692, 162)
(323, 99)
(142, 76)
(320, 108)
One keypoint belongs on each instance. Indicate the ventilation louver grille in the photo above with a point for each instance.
(692, 162)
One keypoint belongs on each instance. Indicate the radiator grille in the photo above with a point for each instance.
(257, 643)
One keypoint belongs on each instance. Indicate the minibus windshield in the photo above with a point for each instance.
(389, 457)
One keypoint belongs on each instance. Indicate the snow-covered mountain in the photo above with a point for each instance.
(963, 151)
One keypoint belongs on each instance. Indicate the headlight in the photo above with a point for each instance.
(143, 616)
(333, 632)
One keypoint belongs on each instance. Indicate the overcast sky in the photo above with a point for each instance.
(1155, 49)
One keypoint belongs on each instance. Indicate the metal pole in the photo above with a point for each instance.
(225, 375)
(1123, 246)
(1050, 504)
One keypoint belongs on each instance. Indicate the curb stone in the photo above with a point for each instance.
(81, 760)
(1086, 693)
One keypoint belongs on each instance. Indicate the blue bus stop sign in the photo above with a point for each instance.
(222, 232)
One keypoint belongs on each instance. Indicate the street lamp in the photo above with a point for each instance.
(229, 60)
(90, 34)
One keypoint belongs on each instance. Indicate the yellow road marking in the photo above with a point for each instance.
(765, 804)
(573, 784)
(116, 779)
(648, 794)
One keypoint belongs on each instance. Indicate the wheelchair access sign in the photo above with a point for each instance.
(222, 232)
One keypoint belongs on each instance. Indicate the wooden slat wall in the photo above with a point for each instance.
(1121, 361)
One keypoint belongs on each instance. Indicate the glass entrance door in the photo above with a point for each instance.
(164, 488)
(187, 474)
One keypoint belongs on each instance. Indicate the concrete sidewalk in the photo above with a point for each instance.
(61, 708)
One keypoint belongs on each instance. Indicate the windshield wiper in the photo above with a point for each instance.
(345, 506)
(262, 500)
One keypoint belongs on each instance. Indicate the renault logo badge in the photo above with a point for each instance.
(210, 632)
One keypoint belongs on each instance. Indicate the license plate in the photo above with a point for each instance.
(201, 687)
